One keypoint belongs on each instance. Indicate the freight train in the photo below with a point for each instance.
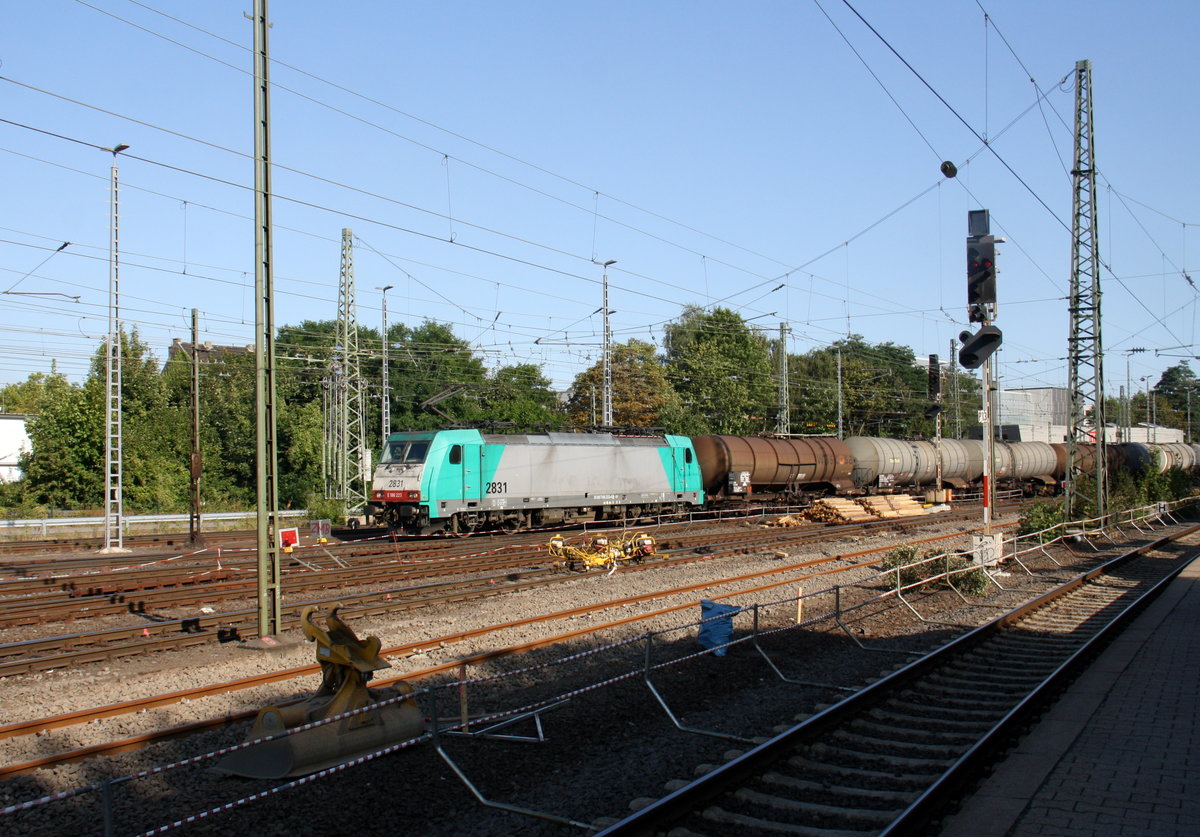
(461, 481)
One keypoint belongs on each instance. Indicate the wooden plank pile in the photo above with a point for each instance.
(837, 510)
(892, 506)
(788, 521)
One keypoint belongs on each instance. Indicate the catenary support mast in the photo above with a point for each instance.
(1084, 348)
(270, 594)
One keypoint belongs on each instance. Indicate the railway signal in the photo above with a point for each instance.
(978, 347)
(981, 276)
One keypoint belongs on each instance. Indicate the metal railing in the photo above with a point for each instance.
(130, 523)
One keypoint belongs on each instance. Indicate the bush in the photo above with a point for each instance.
(971, 583)
(322, 508)
(902, 556)
(1039, 517)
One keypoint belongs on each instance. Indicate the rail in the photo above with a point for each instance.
(830, 605)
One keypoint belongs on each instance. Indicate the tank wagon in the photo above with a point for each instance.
(461, 481)
(883, 464)
(793, 469)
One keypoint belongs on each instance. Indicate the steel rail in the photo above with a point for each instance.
(661, 815)
(239, 624)
(409, 649)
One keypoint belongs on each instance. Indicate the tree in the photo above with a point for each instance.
(642, 394)
(430, 366)
(1177, 387)
(26, 397)
(65, 466)
(520, 395)
(884, 391)
(721, 370)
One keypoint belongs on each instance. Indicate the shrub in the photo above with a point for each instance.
(322, 508)
(1039, 517)
(972, 583)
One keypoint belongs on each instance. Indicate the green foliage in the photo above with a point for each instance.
(26, 397)
(973, 582)
(320, 508)
(902, 556)
(1177, 387)
(520, 395)
(721, 370)
(65, 466)
(642, 394)
(300, 435)
(1039, 517)
(884, 392)
(1131, 491)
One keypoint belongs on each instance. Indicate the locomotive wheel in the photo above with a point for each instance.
(459, 528)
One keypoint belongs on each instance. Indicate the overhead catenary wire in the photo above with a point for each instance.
(993, 138)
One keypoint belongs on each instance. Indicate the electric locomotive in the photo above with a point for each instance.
(462, 481)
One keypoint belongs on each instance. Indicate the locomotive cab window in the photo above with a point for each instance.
(405, 452)
(456, 455)
(687, 453)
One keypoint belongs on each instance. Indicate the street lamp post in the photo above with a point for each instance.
(606, 408)
(386, 404)
(113, 504)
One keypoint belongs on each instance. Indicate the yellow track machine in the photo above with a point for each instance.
(347, 663)
(602, 552)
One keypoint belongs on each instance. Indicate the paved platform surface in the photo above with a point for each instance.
(1119, 754)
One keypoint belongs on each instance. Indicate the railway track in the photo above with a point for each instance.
(887, 759)
(97, 587)
(178, 540)
(393, 588)
(765, 581)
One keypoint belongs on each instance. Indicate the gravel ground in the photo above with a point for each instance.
(604, 748)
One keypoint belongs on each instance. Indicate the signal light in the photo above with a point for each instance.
(981, 276)
(978, 347)
(935, 377)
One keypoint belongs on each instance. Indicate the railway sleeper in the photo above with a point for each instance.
(1029, 637)
(792, 783)
(979, 670)
(876, 817)
(905, 732)
(889, 746)
(956, 694)
(739, 824)
(1005, 679)
(845, 751)
(924, 723)
(1006, 654)
(1075, 619)
(932, 712)
(865, 776)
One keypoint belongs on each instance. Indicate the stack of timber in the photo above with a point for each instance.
(837, 510)
(892, 506)
(788, 521)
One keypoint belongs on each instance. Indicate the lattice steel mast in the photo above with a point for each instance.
(783, 413)
(113, 490)
(1084, 347)
(347, 456)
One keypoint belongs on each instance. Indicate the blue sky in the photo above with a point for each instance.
(772, 157)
